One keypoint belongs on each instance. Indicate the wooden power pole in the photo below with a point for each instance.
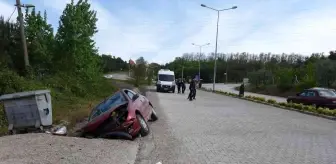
(23, 36)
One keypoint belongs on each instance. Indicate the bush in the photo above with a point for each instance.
(283, 104)
(271, 101)
(261, 99)
(11, 82)
(311, 109)
(298, 106)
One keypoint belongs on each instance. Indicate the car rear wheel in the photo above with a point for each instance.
(154, 116)
(144, 131)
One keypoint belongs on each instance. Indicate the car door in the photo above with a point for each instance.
(310, 98)
(137, 102)
(301, 97)
(143, 104)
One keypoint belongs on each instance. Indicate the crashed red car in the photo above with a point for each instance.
(124, 114)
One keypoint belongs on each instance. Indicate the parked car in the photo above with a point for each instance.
(124, 114)
(319, 97)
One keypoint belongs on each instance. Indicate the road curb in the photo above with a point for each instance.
(277, 106)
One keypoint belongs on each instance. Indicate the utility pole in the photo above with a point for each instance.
(23, 36)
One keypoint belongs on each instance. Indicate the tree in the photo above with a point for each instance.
(111, 64)
(332, 55)
(77, 53)
(139, 71)
(40, 41)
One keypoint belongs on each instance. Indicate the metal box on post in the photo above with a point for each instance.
(26, 110)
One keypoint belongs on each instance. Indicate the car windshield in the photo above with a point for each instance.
(163, 77)
(327, 93)
(113, 101)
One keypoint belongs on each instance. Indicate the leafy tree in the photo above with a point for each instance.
(74, 40)
(332, 55)
(111, 63)
(40, 40)
(139, 71)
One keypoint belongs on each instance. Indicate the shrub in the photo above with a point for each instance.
(282, 104)
(298, 106)
(261, 99)
(311, 108)
(11, 82)
(306, 107)
(271, 101)
(320, 110)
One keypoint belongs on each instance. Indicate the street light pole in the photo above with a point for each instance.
(22, 31)
(199, 58)
(199, 63)
(226, 71)
(215, 64)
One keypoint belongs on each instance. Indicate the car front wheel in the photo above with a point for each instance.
(144, 131)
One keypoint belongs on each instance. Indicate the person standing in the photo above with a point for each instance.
(241, 90)
(192, 88)
(183, 85)
(178, 85)
(194, 94)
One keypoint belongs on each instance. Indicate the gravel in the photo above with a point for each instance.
(37, 148)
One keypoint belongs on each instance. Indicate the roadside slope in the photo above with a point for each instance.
(45, 149)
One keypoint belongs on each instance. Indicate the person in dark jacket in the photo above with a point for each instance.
(192, 88)
(183, 85)
(241, 90)
(178, 83)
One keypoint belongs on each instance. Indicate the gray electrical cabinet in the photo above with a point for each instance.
(28, 109)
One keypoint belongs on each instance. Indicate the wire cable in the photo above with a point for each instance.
(11, 14)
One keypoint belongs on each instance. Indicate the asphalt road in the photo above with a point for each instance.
(230, 88)
(212, 129)
(118, 75)
(219, 129)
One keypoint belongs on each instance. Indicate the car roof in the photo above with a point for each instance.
(319, 89)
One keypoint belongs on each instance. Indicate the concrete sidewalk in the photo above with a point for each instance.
(231, 88)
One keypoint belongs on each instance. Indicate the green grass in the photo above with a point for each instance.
(69, 107)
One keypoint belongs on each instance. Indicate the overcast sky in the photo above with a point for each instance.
(160, 30)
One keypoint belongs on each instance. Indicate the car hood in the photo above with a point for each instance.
(167, 82)
(91, 125)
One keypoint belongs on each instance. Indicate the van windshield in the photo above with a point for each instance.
(163, 77)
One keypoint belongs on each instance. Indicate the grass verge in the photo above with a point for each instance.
(67, 106)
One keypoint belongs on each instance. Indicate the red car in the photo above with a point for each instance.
(319, 97)
(124, 114)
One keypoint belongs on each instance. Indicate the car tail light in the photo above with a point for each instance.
(334, 102)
